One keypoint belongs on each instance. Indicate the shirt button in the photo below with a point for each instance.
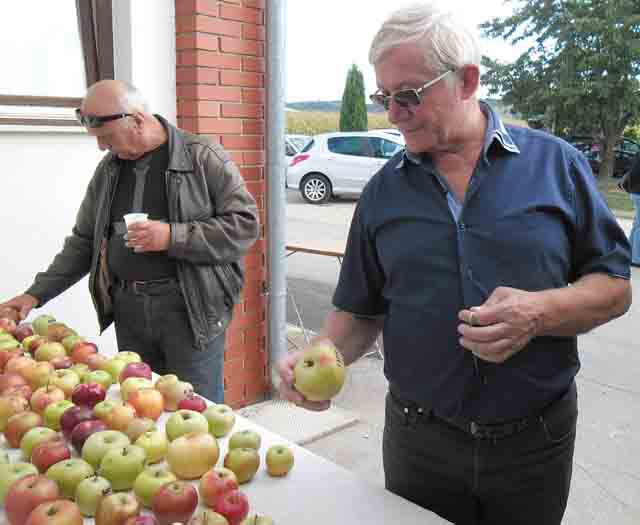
(462, 226)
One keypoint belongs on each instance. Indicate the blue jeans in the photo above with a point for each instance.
(634, 238)
(154, 323)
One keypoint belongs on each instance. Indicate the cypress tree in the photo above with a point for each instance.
(353, 112)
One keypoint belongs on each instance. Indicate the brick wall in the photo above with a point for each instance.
(220, 88)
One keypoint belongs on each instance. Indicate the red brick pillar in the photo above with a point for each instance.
(220, 90)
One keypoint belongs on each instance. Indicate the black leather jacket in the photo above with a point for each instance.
(213, 219)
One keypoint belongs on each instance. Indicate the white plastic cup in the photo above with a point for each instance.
(131, 218)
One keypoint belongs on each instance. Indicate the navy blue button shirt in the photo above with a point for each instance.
(532, 219)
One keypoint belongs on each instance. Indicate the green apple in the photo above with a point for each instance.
(69, 341)
(131, 384)
(6, 344)
(11, 472)
(191, 455)
(101, 377)
(99, 443)
(41, 324)
(279, 460)
(27, 341)
(113, 366)
(220, 418)
(183, 422)
(33, 437)
(128, 357)
(65, 379)
(245, 439)
(244, 463)
(104, 407)
(82, 370)
(155, 443)
(89, 492)
(121, 466)
(149, 481)
(257, 519)
(319, 372)
(49, 350)
(53, 413)
(68, 474)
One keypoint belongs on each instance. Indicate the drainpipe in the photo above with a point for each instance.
(275, 176)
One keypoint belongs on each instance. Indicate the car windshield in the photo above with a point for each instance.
(308, 146)
(299, 142)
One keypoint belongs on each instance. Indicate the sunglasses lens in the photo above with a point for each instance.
(380, 100)
(406, 98)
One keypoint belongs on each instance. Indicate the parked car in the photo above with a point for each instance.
(297, 140)
(334, 164)
(625, 153)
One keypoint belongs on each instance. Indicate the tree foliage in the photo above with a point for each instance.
(581, 73)
(353, 111)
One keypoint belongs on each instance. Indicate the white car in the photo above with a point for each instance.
(340, 163)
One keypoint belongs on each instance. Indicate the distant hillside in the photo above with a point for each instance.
(333, 106)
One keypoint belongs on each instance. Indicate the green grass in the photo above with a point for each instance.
(619, 201)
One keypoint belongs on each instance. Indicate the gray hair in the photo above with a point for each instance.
(447, 43)
(132, 100)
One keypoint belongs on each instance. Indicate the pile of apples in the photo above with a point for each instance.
(88, 429)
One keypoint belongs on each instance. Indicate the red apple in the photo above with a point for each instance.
(83, 430)
(88, 394)
(7, 355)
(19, 424)
(22, 390)
(192, 402)
(148, 403)
(26, 494)
(74, 415)
(62, 362)
(58, 512)
(80, 351)
(23, 330)
(233, 505)
(49, 452)
(139, 369)
(19, 364)
(216, 482)
(117, 508)
(175, 502)
(10, 379)
(95, 361)
(10, 405)
(119, 417)
(44, 396)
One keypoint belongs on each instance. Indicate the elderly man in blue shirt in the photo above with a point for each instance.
(481, 252)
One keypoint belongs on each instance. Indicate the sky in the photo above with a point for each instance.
(324, 38)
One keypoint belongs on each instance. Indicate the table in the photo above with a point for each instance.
(327, 250)
(315, 492)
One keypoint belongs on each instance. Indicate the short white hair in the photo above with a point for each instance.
(446, 42)
(132, 100)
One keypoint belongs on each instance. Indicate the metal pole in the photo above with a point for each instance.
(275, 176)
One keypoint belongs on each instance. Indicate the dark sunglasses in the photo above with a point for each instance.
(97, 121)
(406, 98)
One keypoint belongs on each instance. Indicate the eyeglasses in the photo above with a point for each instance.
(406, 98)
(97, 121)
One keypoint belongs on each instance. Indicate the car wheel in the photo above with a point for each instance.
(316, 188)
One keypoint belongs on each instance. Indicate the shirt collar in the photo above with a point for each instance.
(496, 134)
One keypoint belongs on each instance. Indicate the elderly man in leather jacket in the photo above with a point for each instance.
(168, 283)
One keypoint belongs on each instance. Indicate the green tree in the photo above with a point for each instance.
(353, 111)
(581, 73)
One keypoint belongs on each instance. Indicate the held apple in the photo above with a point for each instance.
(191, 455)
(279, 460)
(11, 472)
(216, 482)
(26, 494)
(54, 411)
(233, 505)
(319, 372)
(99, 443)
(58, 512)
(49, 452)
(115, 509)
(83, 430)
(68, 474)
(121, 466)
(174, 502)
(245, 439)
(184, 421)
(244, 462)
(149, 481)
(33, 437)
(148, 403)
(89, 492)
(19, 424)
(155, 444)
(221, 419)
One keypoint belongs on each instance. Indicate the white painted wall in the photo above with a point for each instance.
(44, 171)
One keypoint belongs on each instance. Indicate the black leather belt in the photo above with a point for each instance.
(494, 431)
(144, 286)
